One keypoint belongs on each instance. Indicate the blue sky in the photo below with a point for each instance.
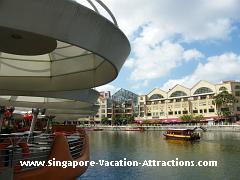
(177, 42)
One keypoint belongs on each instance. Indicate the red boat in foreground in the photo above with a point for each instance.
(65, 143)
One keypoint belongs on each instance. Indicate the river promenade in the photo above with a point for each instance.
(228, 128)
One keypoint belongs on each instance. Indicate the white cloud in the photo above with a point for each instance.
(108, 87)
(164, 24)
(157, 28)
(192, 54)
(140, 85)
(129, 63)
(194, 20)
(157, 61)
(217, 68)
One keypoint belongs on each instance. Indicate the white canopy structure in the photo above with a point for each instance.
(60, 114)
(57, 49)
(57, 45)
(40, 102)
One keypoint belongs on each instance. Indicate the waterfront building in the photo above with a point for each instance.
(122, 103)
(168, 106)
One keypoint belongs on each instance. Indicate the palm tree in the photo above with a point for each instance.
(224, 99)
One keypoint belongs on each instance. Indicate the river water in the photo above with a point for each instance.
(223, 147)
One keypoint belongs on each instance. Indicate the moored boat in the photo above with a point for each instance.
(92, 129)
(184, 134)
(134, 129)
(14, 148)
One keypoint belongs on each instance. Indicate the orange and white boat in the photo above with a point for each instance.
(183, 134)
(65, 143)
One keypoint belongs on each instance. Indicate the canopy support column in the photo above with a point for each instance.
(35, 112)
(2, 110)
(49, 122)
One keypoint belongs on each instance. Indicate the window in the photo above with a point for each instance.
(203, 90)
(185, 99)
(179, 112)
(200, 111)
(238, 108)
(222, 88)
(237, 93)
(237, 87)
(195, 111)
(202, 103)
(170, 113)
(148, 114)
(205, 110)
(210, 96)
(175, 112)
(224, 109)
(148, 103)
(195, 98)
(211, 110)
(161, 113)
(203, 97)
(178, 100)
(185, 112)
(178, 94)
(155, 102)
(156, 96)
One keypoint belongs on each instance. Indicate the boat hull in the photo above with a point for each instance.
(181, 137)
(61, 152)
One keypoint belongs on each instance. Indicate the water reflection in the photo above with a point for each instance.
(151, 145)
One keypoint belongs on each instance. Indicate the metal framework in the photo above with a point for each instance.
(123, 95)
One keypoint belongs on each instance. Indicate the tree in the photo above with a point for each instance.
(105, 121)
(117, 120)
(224, 99)
(130, 119)
(186, 117)
(198, 117)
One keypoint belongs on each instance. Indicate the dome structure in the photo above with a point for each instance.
(57, 45)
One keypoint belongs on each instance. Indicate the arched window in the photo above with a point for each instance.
(156, 96)
(203, 90)
(178, 94)
(237, 87)
(222, 88)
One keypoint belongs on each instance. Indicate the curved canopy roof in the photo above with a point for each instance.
(62, 114)
(86, 95)
(41, 102)
(61, 45)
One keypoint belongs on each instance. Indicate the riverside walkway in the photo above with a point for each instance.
(165, 127)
